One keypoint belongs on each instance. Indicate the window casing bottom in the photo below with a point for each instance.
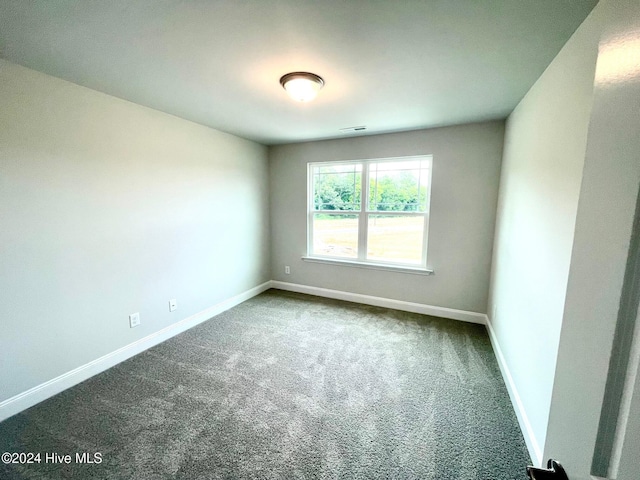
(370, 265)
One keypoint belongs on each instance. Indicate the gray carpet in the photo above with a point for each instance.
(287, 386)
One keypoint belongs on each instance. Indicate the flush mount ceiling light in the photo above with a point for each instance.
(302, 86)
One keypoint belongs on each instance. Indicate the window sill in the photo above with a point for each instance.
(372, 266)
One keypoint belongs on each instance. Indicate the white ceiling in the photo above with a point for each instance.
(389, 65)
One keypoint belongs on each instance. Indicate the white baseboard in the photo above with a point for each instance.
(529, 437)
(443, 312)
(532, 443)
(41, 392)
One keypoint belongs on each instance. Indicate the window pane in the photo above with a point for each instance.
(338, 167)
(423, 193)
(337, 187)
(335, 235)
(402, 165)
(396, 239)
(398, 186)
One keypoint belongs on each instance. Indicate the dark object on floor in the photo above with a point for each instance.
(554, 471)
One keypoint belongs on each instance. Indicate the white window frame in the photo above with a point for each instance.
(363, 218)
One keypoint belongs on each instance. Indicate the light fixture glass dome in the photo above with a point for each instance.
(302, 86)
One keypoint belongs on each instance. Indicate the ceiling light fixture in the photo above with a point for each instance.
(302, 86)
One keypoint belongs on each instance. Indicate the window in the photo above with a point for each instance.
(373, 212)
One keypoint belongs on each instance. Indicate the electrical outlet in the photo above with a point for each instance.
(134, 320)
(173, 304)
(287, 269)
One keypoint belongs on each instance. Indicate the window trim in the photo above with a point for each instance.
(363, 218)
(396, 267)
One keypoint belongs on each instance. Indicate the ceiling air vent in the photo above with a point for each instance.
(360, 128)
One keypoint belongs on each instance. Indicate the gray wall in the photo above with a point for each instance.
(604, 222)
(466, 166)
(545, 144)
(110, 208)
